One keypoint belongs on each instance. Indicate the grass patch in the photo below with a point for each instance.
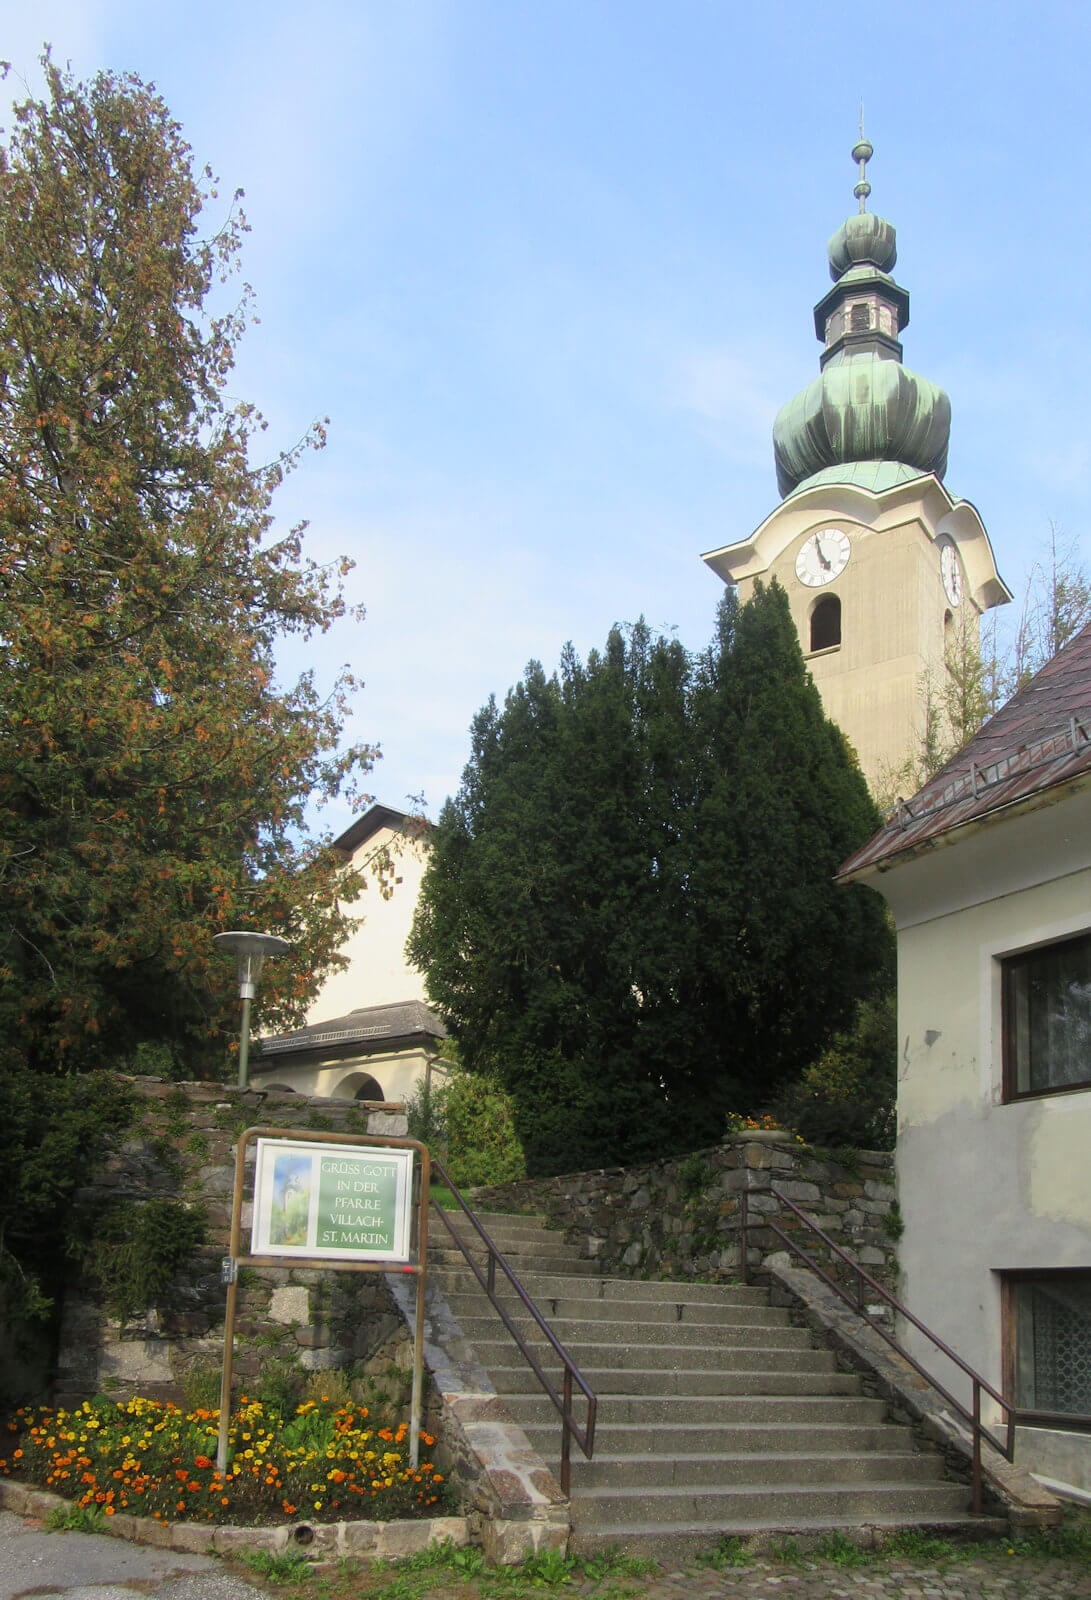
(1070, 1542)
(730, 1552)
(77, 1519)
(281, 1568)
(843, 1552)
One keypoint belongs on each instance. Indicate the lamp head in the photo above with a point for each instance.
(250, 950)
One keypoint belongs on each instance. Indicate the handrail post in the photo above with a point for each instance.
(566, 1433)
(975, 1499)
(744, 1250)
(491, 1273)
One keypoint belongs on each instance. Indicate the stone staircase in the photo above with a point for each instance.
(716, 1414)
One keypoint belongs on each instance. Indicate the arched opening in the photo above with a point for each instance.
(826, 623)
(369, 1090)
(279, 1088)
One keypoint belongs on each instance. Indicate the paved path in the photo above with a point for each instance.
(993, 1579)
(38, 1565)
(86, 1566)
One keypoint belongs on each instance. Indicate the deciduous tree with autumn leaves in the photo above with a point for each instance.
(153, 771)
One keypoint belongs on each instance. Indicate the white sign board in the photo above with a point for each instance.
(337, 1202)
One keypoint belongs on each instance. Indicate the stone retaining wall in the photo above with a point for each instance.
(680, 1218)
(298, 1318)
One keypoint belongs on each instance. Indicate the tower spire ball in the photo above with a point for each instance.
(862, 152)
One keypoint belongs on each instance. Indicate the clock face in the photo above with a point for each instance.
(822, 557)
(951, 573)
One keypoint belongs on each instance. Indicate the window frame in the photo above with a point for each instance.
(1060, 1421)
(1010, 964)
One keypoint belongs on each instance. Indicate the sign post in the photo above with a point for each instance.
(342, 1200)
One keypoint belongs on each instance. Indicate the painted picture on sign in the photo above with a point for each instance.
(291, 1206)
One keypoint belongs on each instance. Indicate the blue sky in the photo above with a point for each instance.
(549, 268)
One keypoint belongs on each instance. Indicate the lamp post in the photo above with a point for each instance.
(250, 950)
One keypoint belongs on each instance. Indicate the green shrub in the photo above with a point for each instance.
(53, 1131)
(468, 1124)
(135, 1250)
(847, 1096)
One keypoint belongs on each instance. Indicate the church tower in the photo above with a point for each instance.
(886, 572)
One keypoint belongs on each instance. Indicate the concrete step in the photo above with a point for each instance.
(806, 1412)
(497, 1353)
(721, 1439)
(447, 1262)
(571, 1331)
(659, 1382)
(509, 1222)
(750, 1469)
(730, 1508)
(682, 1541)
(581, 1280)
(681, 1314)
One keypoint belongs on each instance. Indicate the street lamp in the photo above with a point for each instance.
(250, 950)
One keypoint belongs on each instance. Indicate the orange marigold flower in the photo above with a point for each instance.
(201, 1461)
(109, 1510)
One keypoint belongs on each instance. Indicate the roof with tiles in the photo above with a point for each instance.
(1039, 741)
(374, 1026)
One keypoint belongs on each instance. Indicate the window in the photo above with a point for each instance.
(861, 318)
(1048, 1339)
(826, 623)
(1047, 1019)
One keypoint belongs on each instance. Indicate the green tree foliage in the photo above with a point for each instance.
(629, 917)
(52, 1130)
(981, 673)
(467, 1122)
(848, 1095)
(152, 772)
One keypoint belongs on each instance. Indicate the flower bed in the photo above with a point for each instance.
(325, 1463)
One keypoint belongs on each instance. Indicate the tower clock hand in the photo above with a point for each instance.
(826, 562)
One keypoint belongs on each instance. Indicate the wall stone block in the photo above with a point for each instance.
(637, 1222)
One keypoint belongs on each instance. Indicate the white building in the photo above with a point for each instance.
(370, 1034)
(988, 874)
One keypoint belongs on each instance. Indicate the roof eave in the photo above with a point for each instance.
(963, 830)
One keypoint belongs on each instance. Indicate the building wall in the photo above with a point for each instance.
(893, 611)
(397, 1072)
(986, 1187)
(377, 973)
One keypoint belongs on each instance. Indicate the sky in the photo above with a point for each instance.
(549, 268)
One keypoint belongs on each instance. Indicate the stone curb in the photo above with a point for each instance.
(324, 1540)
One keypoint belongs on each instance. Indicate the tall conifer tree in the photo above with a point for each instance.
(630, 918)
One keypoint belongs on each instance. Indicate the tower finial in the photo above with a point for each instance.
(862, 152)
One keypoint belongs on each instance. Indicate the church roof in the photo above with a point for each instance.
(1039, 742)
(371, 1027)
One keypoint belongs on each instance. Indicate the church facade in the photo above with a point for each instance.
(887, 573)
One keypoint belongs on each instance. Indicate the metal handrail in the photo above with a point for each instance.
(584, 1437)
(973, 1415)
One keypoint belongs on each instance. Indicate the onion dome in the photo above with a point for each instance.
(865, 407)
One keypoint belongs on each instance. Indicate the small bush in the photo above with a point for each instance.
(135, 1250)
(468, 1123)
